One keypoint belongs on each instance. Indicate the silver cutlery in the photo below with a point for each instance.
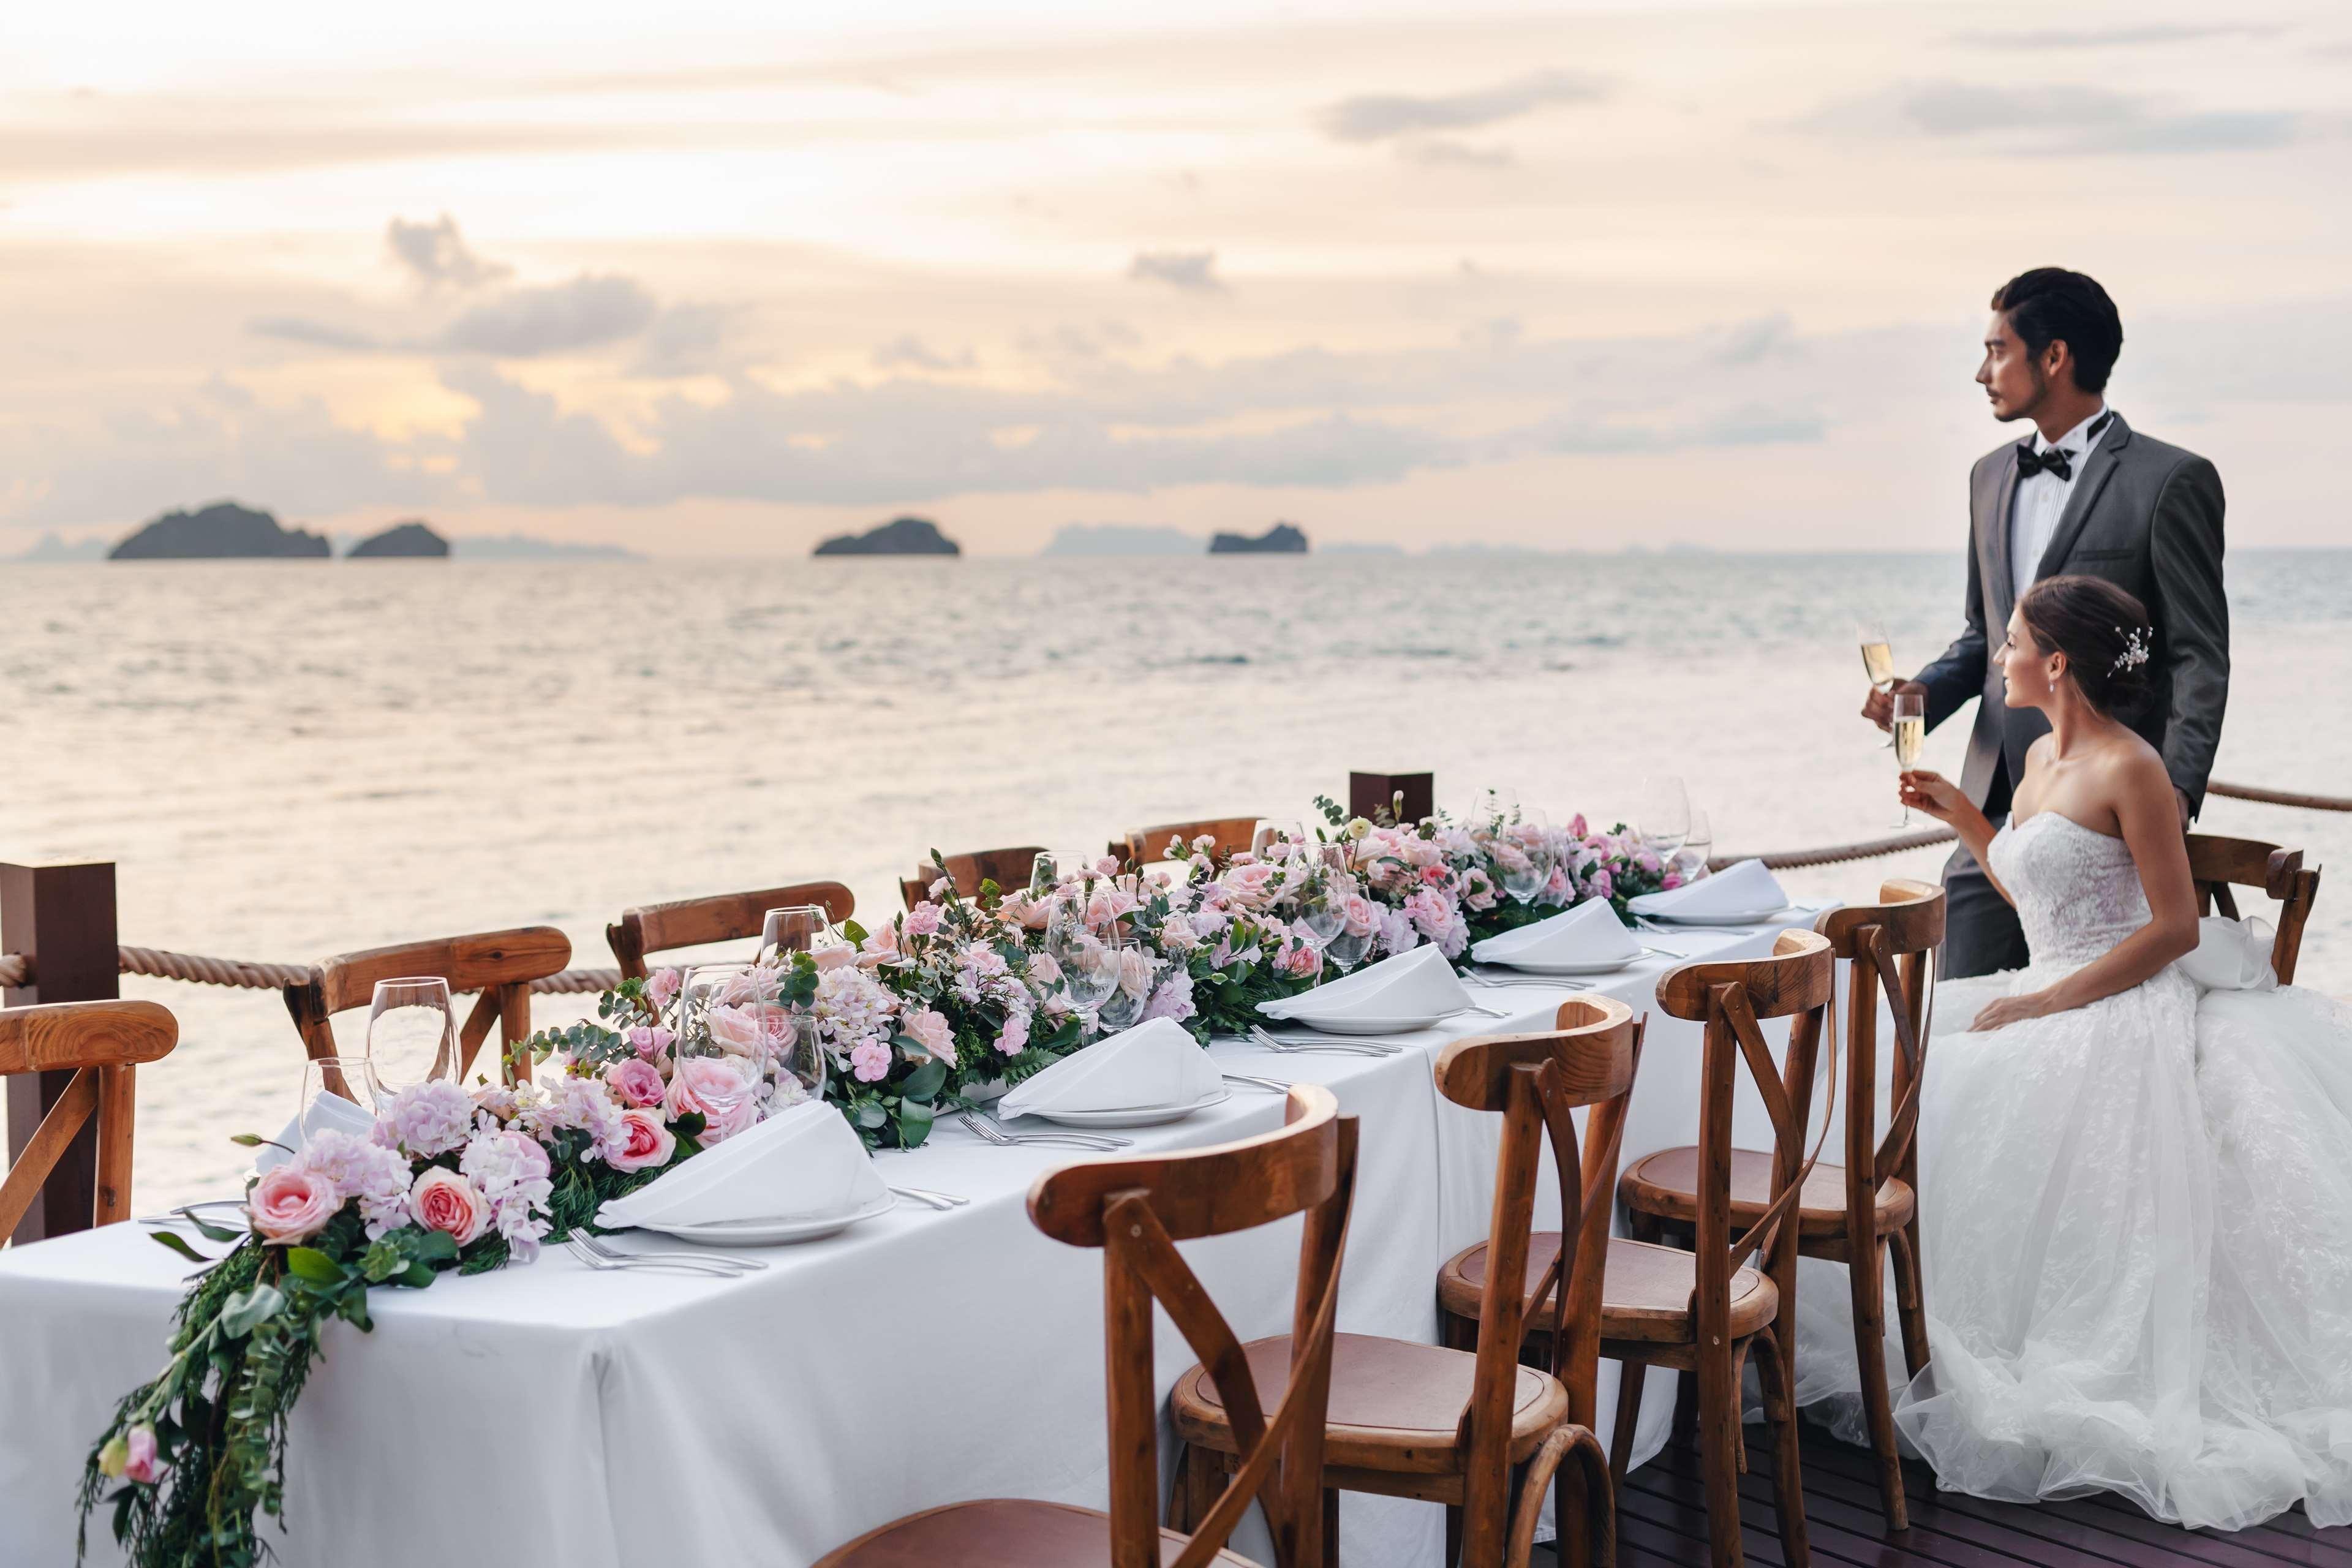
(726, 1260)
(712, 1265)
(1277, 1085)
(989, 1131)
(936, 1200)
(1323, 1045)
(1477, 978)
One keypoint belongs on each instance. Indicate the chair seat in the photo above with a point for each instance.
(1666, 1184)
(1002, 1533)
(1646, 1295)
(1395, 1405)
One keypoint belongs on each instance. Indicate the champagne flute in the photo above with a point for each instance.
(1908, 737)
(1877, 657)
(1665, 814)
(411, 1035)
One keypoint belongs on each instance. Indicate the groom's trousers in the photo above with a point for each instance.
(1981, 935)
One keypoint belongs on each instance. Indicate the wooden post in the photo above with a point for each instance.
(1368, 794)
(62, 918)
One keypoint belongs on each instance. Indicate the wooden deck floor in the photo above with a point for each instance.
(1662, 1523)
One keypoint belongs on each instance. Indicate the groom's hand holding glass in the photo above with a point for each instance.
(1879, 706)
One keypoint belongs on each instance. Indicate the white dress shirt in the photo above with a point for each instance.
(2041, 500)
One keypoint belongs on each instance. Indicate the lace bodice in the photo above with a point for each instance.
(2078, 892)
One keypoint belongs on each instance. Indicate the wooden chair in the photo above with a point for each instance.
(1136, 1210)
(1448, 1426)
(103, 1043)
(1148, 845)
(2219, 864)
(1853, 1212)
(1008, 868)
(721, 917)
(501, 964)
(1701, 1310)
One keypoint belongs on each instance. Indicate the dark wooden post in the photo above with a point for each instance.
(1370, 794)
(62, 918)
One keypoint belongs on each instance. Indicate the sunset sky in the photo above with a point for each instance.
(711, 280)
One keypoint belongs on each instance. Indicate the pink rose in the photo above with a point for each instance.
(1044, 969)
(645, 1143)
(1674, 879)
(1252, 885)
(835, 955)
(1363, 915)
(635, 1082)
(735, 1030)
(880, 945)
(291, 1203)
(923, 918)
(1107, 866)
(1014, 1035)
(441, 1199)
(1600, 886)
(661, 987)
(711, 1087)
(138, 1457)
(1302, 962)
(648, 1041)
(1576, 826)
(932, 1031)
(871, 1062)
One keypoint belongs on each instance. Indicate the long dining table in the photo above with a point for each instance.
(550, 1414)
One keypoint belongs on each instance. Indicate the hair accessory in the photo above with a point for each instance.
(2134, 652)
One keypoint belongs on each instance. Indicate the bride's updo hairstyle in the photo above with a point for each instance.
(2105, 634)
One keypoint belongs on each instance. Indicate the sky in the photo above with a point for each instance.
(722, 280)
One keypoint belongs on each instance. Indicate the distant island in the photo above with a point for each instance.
(523, 547)
(50, 547)
(1122, 539)
(412, 538)
(223, 530)
(899, 536)
(1282, 539)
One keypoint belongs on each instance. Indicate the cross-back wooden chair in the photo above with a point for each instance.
(1852, 1213)
(1136, 1210)
(648, 929)
(1144, 847)
(500, 965)
(2218, 865)
(103, 1044)
(1008, 868)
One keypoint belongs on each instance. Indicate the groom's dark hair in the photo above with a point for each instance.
(2051, 304)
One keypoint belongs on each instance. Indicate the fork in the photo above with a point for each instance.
(716, 1265)
(1328, 1046)
(936, 1200)
(1277, 1086)
(992, 1134)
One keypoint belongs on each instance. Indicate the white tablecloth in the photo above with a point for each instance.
(549, 1415)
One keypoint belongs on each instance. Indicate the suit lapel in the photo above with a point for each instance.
(1997, 532)
(2097, 469)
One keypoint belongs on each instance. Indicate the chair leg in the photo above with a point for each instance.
(1331, 1527)
(1787, 1466)
(1453, 1536)
(1718, 1446)
(1631, 1376)
(1863, 1274)
(1572, 1503)
(1910, 1298)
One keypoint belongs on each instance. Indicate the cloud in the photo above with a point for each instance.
(316, 334)
(1193, 270)
(1375, 117)
(438, 256)
(2111, 37)
(1440, 154)
(687, 340)
(2055, 120)
(913, 351)
(590, 311)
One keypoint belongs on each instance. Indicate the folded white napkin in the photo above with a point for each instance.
(801, 1164)
(1155, 1063)
(1588, 933)
(1741, 890)
(2232, 955)
(1416, 984)
(328, 1113)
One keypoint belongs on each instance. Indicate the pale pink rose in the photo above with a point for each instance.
(883, 943)
(1013, 1038)
(871, 1062)
(644, 1142)
(712, 1087)
(1036, 914)
(1601, 885)
(1251, 885)
(1044, 969)
(661, 987)
(648, 1040)
(291, 1204)
(1556, 883)
(932, 1031)
(923, 918)
(1363, 915)
(1134, 973)
(139, 1456)
(752, 985)
(441, 1199)
(735, 1030)
(1107, 867)
(635, 1082)
(1177, 935)
(1302, 962)
(833, 955)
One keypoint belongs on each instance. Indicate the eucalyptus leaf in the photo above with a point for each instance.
(178, 1244)
(210, 1231)
(246, 1310)
(309, 1263)
(924, 1083)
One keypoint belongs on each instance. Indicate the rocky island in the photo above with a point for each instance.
(412, 538)
(899, 536)
(1282, 539)
(223, 530)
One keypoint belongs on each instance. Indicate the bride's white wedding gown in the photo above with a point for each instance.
(2136, 1228)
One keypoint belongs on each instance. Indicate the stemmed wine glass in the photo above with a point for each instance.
(332, 1078)
(1700, 845)
(1907, 733)
(1665, 814)
(411, 1038)
(1323, 899)
(1525, 854)
(1092, 961)
(1271, 836)
(723, 1025)
(797, 928)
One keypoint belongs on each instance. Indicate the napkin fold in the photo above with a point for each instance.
(1741, 890)
(1588, 933)
(2232, 955)
(1155, 1063)
(801, 1164)
(1419, 983)
(328, 1113)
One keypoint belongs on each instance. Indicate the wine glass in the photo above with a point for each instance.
(724, 1026)
(1524, 853)
(1045, 874)
(411, 1038)
(332, 1078)
(797, 928)
(1270, 837)
(1909, 736)
(1700, 845)
(1877, 656)
(1665, 814)
(1092, 961)
(1323, 900)
(791, 1054)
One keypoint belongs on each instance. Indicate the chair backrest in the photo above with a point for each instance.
(1535, 1081)
(1144, 847)
(1798, 983)
(2217, 864)
(501, 964)
(103, 1043)
(1894, 944)
(1008, 868)
(721, 917)
(1136, 1210)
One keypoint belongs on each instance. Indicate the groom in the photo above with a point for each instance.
(2083, 494)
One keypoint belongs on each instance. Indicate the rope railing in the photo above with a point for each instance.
(17, 969)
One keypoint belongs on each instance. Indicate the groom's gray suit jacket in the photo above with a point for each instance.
(2147, 518)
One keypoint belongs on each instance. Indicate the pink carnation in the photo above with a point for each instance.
(648, 1041)
(661, 987)
(871, 1062)
(1015, 1036)
(923, 918)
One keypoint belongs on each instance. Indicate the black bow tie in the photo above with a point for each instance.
(2053, 461)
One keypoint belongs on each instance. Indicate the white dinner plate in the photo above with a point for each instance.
(1134, 1115)
(1751, 918)
(772, 1232)
(1587, 966)
(1371, 1026)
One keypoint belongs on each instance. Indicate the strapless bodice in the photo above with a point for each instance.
(2078, 892)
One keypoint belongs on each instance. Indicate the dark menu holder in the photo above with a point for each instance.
(1368, 795)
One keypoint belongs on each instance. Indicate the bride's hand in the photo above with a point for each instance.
(1925, 790)
(2004, 1011)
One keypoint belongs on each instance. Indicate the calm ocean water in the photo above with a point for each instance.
(289, 760)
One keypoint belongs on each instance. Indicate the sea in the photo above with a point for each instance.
(286, 760)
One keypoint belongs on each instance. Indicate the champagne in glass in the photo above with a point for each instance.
(1909, 736)
(1877, 655)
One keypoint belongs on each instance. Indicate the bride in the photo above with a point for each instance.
(2137, 1195)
